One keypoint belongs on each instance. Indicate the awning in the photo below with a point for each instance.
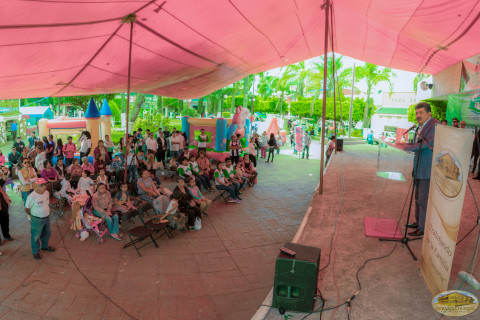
(189, 48)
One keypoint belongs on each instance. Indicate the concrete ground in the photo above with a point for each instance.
(221, 272)
(392, 287)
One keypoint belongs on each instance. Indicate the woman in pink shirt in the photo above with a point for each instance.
(2, 159)
(87, 165)
(69, 150)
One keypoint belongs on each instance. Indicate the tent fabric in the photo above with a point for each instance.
(189, 48)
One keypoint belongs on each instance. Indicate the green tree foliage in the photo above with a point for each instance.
(115, 111)
(419, 77)
(439, 110)
(269, 105)
(151, 121)
(82, 102)
(373, 75)
(302, 109)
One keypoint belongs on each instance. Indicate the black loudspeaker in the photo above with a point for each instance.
(295, 283)
(339, 144)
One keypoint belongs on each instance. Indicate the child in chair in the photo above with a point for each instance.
(66, 191)
(85, 184)
(198, 197)
(102, 178)
(122, 201)
(173, 215)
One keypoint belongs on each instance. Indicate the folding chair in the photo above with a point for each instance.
(225, 194)
(147, 210)
(56, 205)
(136, 233)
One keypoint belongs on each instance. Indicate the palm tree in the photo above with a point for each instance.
(315, 78)
(300, 74)
(266, 85)
(373, 75)
(282, 85)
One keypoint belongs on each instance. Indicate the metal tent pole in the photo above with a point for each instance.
(351, 104)
(324, 102)
(128, 19)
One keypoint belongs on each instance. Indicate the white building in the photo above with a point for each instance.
(393, 113)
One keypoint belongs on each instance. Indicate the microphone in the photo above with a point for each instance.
(411, 128)
(414, 127)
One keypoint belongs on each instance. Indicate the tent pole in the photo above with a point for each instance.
(324, 102)
(128, 19)
(351, 104)
(334, 100)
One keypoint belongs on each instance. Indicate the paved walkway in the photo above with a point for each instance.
(391, 288)
(221, 272)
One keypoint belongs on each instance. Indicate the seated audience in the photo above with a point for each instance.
(204, 178)
(186, 203)
(177, 220)
(222, 183)
(173, 164)
(75, 171)
(85, 184)
(185, 171)
(123, 201)
(87, 165)
(249, 169)
(101, 150)
(99, 163)
(102, 208)
(148, 191)
(66, 190)
(49, 173)
(198, 197)
(231, 175)
(102, 178)
(61, 169)
(204, 164)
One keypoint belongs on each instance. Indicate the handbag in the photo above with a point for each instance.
(198, 223)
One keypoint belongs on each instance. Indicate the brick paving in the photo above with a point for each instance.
(392, 288)
(223, 271)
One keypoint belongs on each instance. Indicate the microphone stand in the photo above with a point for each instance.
(406, 239)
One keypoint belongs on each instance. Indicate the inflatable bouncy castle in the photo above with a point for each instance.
(219, 131)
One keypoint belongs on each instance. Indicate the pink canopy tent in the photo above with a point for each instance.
(189, 48)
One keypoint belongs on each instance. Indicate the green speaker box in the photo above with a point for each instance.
(295, 283)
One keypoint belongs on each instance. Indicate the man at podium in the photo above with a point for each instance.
(422, 147)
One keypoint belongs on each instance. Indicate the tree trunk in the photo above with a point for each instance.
(246, 88)
(234, 95)
(159, 104)
(315, 97)
(366, 112)
(122, 99)
(135, 110)
(200, 107)
(180, 107)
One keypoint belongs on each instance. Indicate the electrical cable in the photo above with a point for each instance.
(478, 215)
(86, 278)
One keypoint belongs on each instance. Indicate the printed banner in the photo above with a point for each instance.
(464, 106)
(299, 138)
(450, 164)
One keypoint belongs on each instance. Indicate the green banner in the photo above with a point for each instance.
(464, 106)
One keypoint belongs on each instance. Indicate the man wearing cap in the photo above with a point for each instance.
(38, 213)
(455, 122)
(202, 141)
